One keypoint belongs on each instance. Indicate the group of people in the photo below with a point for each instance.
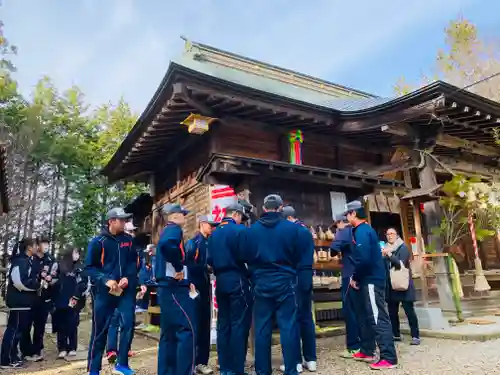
(263, 271)
(37, 286)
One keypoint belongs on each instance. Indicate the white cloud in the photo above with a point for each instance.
(78, 54)
(146, 57)
(319, 40)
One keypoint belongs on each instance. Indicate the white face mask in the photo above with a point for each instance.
(76, 257)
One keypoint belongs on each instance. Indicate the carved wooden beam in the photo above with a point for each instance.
(403, 130)
(302, 114)
(460, 166)
(379, 170)
(376, 120)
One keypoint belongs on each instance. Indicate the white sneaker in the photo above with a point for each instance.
(204, 370)
(34, 358)
(299, 368)
(72, 353)
(310, 366)
(62, 354)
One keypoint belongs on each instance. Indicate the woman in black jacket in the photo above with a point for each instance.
(22, 288)
(69, 300)
(397, 253)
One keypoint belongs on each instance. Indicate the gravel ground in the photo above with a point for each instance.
(436, 357)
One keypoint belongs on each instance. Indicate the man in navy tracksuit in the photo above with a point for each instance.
(197, 250)
(273, 247)
(304, 295)
(232, 291)
(111, 264)
(176, 351)
(343, 244)
(369, 277)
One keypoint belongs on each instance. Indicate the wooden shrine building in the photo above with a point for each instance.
(223, 119)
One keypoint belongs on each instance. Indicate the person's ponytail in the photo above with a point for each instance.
(21, 247)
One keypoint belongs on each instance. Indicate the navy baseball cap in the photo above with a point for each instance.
(209, 219)
(117, 213)
(237, 207)
(353, 206)
(289, 211)
(273, 202)
(174, 208)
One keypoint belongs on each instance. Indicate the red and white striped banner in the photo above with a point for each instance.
(221, 196)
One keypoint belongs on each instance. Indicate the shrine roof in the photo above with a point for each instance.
(222, 85)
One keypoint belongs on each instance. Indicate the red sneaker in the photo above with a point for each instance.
(382, 365)
(131, 354)
(111, 357)
(363, 357)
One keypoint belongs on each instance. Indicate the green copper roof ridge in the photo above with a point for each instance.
(190, 45)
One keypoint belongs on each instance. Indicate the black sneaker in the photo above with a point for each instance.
(397, 338)
(12, 365)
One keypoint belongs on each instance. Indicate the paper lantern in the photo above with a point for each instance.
(198, 124)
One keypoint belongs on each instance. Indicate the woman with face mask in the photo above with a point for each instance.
(22, 287)
(396, 254)
(45, 266)
(69, 298)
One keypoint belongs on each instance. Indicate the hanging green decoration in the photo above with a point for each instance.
(296, 139)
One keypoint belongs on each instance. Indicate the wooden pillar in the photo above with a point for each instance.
(432, 214)
(419, 259)
(155, 215)
(421, 252)
(404, 209)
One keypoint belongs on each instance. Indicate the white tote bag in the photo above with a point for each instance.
(400, 279)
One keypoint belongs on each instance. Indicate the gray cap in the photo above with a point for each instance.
(353, 206)
(117, 213)
(289, 211)
(340, 217)
(273, 202)
(174, 208)
(207, 219)
(237, 207)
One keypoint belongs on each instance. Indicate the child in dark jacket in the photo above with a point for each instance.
(69, 295)
(22, 287)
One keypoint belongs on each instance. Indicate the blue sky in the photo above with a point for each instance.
(122, 47)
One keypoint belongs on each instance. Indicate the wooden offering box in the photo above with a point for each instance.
(327, 299)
